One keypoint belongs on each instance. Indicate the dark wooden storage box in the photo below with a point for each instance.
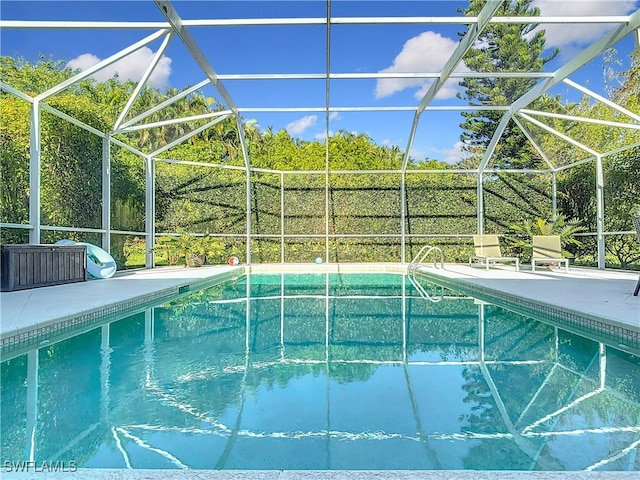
(31, 266)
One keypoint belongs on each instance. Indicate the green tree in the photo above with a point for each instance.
(33, 78)
(621, 170)
(14, 160)
(502, 47)
(559, 225)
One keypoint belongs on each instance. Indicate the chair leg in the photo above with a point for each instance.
(635, 293)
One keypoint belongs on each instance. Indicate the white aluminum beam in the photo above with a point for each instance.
(173, 121)
(241, 22)
(323, 109)
(527, 134)
(474, 31)
(600, 212)
(563, 19)
(489, 9)
(213, 165)
(248, 22)
(466, 171)
(142, 82)
(403, 193)
(621, 149)
(480, 203)
(327, 131)
(247, 165)
(581, 59)
(602, 99)
(72, 120)
(79, 25)
(554, 175)
(53, 228)
(22, 226)
(282, 216)
(150, 210)
(188, 135)
(581, 119)
(166, 103)
(378, 75)
(100, 65)
(106, 194)
(35, 139)
(462, 20)
(176, 23)
(128, 147)
(558, 134)
(17, 93)
(493, 143)
(584, 57)
(444, 108)
(575, 164)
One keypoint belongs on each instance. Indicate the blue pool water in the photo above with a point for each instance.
(324, 371)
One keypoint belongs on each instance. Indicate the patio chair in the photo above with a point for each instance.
(547, 250)
(487, 251)
(636, 223)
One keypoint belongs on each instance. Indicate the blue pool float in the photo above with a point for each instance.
(99, 263)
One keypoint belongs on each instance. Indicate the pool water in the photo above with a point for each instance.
(324, 371)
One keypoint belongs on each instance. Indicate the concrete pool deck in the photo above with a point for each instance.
(606, 295)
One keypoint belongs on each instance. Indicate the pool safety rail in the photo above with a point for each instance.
(420, 258)
(417, 262)
(435, 298)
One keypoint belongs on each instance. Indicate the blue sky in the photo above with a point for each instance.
(301, 49)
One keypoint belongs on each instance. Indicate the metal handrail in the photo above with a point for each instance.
(420, 257)
(417, 262)
(423, 293)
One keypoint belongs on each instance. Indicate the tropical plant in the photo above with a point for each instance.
(195, 249)
(559, 225)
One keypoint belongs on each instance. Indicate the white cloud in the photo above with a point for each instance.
(131, 67)
(427, 52)
(299, 126)
(334, 116)
(568, 37)
(454, 154)
(417, 154)
(387, 142)
(451, 155)
(323, 135)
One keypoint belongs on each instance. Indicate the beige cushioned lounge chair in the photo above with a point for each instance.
(487, 249)
(547, 250)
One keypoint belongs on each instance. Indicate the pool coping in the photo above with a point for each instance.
(55, 329)
(141, 474)
(606, 330)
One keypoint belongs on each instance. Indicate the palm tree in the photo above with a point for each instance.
(558, 225)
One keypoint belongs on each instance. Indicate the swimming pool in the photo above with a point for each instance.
(324, 371)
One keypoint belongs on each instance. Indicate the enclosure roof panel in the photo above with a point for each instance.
(315, 68)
